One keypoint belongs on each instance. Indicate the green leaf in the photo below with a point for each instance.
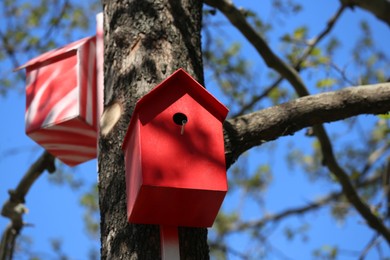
(384, 116)
(325, 83)
(33, 41)
(300, 33)
(316, 52)
(286, 38)
(322, 60)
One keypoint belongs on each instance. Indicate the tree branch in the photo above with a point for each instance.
(245, 132)
(380, 8)
(353, 197)
(236, 17)
(14, 207)
(253, 129)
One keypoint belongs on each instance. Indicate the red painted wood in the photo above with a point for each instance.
(61, 101)
(173, 178)
(64, 98)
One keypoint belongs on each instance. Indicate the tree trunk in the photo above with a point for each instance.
(145, 42)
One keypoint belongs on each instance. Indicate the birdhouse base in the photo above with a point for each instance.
(80, 139)
(186, 207)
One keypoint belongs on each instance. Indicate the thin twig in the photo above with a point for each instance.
(373, 158)
(367, 248)
(57, 20)
(237, 18)
(330, 24)
(342, 74)
(257, 98)
(14, 207)
(302, 209)
(297, 66)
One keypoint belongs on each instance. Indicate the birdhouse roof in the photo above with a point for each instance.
(56, 53)
(192, 87)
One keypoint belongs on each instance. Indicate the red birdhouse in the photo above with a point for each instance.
(61, 101)
(174, 155)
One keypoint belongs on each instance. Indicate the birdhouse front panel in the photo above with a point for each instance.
(183, 155)
(174, 155)
(61, 101)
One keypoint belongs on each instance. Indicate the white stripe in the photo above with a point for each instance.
(36, 102)
(65, 104)
(85, 132)
(31, 77)
(90, 102)
(78, 149)
(77, 133)
(99, 65)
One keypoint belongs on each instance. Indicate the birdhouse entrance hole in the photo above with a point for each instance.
(180, 119)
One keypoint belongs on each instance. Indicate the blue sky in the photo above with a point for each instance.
(55, 212)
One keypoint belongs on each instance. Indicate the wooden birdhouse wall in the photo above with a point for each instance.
(61, 101)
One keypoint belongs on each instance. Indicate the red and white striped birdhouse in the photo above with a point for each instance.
(174, 155)
(61, 101)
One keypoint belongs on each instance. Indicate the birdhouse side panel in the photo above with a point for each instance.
(184, 156)
(51, 94)
(133, 165)
(63, 88)
(61, 103)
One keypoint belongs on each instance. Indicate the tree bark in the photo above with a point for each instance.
(380, 8)
(144, 42)
(250, 130)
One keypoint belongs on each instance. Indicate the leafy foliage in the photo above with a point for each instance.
(91, 215)
(31, 28)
